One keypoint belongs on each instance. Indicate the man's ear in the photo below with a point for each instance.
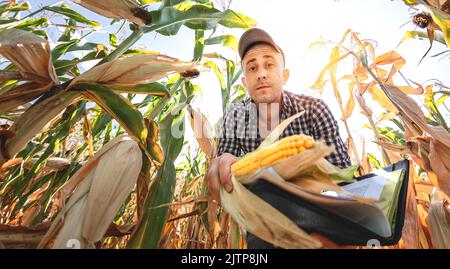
(285, 75)
(244, 82)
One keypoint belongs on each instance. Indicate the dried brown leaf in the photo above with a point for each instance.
(439, 161)
(133, 70)
(203, 132)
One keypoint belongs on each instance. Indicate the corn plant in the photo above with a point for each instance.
(403, 130)
(57, 118)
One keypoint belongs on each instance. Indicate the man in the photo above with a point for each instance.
(247, 124)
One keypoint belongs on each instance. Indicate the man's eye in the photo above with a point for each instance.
(270, 65)
(252, 68)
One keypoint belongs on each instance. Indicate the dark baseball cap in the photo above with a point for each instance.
(255, 36)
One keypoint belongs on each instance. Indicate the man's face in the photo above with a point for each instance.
(264, 74)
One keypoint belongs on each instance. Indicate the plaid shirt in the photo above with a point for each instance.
(240, 132)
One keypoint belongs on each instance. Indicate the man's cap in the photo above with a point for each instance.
(254, 36)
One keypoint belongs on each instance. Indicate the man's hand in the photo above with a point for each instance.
(219, 173)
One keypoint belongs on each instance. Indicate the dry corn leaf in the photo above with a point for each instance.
(380, 97)
(35, 119)
(361, 72)
(21, 94)
(447, 210)
(118, 9)
(390, 57)
(320, 83)
(411, 112)
(13, 162)
(381, 73)
(365, 163)
(433, 151)
(30, 214)
(133, 70)
(203, 132)
(418, 149)
(424, 233)
(439, 162)
(350, 106)
(29, 52)
(410, 234)
(411, 90)
(438, 223)
(332, 72)
(213, 222)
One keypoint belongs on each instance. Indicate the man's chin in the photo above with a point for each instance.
(264, 99)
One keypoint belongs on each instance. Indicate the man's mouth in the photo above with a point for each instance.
(262, 87)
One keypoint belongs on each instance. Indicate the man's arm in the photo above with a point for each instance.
(325, 127)
(219, 171)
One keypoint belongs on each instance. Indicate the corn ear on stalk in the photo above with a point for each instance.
(30, 53)
(97, 191)
(117, 9)
(133, 70)
(267, 156)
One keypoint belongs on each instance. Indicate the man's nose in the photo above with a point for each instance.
(262, 75)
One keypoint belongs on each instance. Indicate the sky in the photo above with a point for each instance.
(295, 25)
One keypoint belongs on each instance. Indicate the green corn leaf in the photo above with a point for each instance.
(124, 112)
(70, 13)
(154, 88)
(226, 40)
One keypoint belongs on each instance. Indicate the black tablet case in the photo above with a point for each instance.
(312, 218)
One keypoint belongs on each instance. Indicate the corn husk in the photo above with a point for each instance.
(438, 220)
(118, 9)
(29, 52)
(261, 219)
(291, 167)
(308, 170)
(203, 132)
(133, 70)
(99, 189)
(277, 131)
(51, 164)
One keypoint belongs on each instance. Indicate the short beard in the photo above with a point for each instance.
(265, 99)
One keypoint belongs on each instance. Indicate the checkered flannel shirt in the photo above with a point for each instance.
(240, 133)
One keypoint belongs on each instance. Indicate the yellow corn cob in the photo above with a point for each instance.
(268, 156)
